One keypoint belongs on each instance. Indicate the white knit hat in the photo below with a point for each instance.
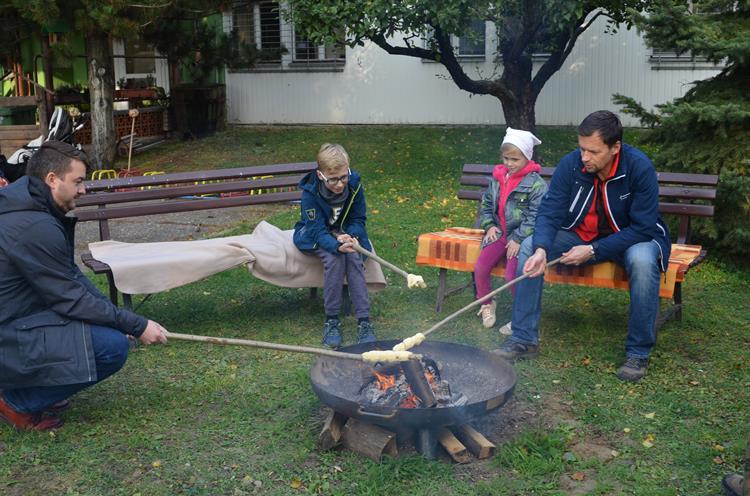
(523, 140)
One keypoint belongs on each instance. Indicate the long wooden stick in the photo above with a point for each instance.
(479, 301)
(379, 260)
(132, 132)
(264, 344)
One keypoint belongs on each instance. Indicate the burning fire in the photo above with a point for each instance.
(384, 382)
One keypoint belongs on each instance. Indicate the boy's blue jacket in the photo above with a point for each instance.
(312, 232)
(631, 199)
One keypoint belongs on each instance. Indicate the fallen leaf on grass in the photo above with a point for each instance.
(626, 430)
(694, 383)
(579, 476)
(648, 442)
(295, 483)
(649, 415)
(718, 447)
(718, 460)
(156, 463)
(586, 360)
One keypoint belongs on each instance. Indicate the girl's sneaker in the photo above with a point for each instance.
(487, 312)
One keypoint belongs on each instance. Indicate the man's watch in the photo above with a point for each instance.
(592, 246)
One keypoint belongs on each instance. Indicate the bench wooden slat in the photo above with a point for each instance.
(186, 206)
(106, 198)
(189, 177)
(686, 209)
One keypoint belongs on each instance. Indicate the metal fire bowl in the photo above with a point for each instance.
(486, 379)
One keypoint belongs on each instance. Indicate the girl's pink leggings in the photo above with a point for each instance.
(489, 257)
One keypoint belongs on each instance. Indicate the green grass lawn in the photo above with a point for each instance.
(191, 418)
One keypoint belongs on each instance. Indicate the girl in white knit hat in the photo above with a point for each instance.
(507, 215)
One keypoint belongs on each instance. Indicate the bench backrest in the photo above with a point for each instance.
(680, 194)
(189, 191)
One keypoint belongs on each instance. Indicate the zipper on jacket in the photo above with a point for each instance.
(348, 207)
(610, 217)
(575, 200)
(582, 207)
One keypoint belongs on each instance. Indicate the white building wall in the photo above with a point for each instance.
(378, 88)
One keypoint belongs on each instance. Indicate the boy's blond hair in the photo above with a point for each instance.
(332, 156)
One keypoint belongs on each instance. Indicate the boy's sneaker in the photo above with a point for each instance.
(513, 350)
(332, 333)
(487, 312)
(365, 332)
(633, 370)
(506, 330)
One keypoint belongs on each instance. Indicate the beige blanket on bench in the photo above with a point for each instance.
(269, 253)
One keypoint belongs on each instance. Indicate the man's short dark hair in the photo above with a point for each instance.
(604, 123)
(54, 156)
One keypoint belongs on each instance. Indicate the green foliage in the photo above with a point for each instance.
(707, 130)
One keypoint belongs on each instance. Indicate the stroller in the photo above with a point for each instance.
(62, 127)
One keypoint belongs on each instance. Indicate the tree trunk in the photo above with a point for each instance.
(101, 87)
(518, 108)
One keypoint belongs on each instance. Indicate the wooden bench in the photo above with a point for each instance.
(682, 195)
(137, 196)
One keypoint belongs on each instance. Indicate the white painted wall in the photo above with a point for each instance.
(378, 88)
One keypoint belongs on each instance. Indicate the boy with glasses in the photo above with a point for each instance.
(333, 215)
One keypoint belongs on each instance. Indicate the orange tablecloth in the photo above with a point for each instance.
(457, 248)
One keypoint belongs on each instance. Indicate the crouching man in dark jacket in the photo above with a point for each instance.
(58, 333)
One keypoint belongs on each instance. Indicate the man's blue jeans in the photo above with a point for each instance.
(641, 263)
(110, 353)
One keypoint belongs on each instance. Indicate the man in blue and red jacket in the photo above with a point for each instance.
(602, 204)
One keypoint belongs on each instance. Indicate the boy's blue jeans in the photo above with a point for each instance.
(337, 269)
(641, 263)
(110, 353)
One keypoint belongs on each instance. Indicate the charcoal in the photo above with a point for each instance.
(459, 399)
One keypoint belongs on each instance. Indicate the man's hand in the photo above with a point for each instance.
(536, 263)
(511, 249)
(577, 255)
(3, 182)
(153, 334)
(491, 235)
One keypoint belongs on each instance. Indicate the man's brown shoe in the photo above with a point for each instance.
(27, 421)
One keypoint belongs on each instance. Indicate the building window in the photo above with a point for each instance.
(306, 51)
(665, 59)
(259, 23)
(471, 44)
(139, 57)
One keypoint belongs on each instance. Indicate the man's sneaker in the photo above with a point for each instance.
(513, 350)
(633, 370)
(365, 332)
(732, 485)
(506, 330)
(487, 312)
(332, 333)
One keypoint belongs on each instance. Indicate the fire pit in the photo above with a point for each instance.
(486, 380)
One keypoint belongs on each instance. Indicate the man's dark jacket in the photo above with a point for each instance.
(631, 201)
(46, 303)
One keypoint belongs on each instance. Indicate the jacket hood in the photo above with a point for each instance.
(27, 193)
(501, 170)
(310, 180)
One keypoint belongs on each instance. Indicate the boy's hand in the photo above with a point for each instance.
(344, 238)
(491, 235)
(347, 248)
(511, 249)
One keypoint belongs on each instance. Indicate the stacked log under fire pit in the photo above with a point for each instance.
(431, 401)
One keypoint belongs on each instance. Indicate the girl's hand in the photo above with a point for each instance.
(491, 235)
(512, 249)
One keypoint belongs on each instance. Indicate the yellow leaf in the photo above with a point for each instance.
(156, 463)
(647, 444)
(718, 447)
(295, 483)
(694, 383)
(626, 430)
(374, 211)
(649, 415)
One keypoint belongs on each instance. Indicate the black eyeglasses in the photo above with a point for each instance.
(332, 181)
